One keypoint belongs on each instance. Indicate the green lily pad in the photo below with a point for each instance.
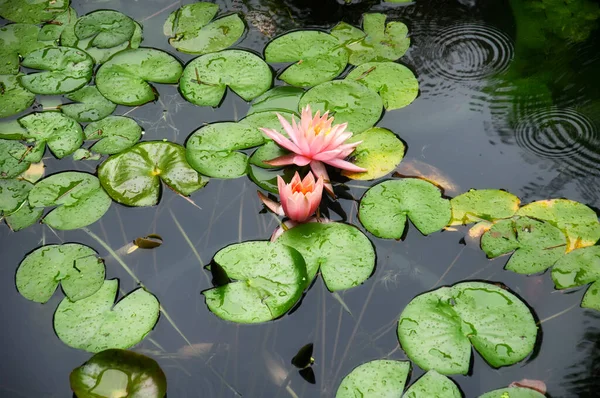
(191, 31)
(53, 30)
(11, 159)
(85, 154)
(13, 97)
(62, 134)
(317, 57)
(483, 205)
(119, 373)
(24, 217)
(385, 206)
(205, 79)
(537, 245)
(13, 193)
(347, 34)
(212, 149)
(267, 178)
(383, 42)
(378, 378)
(578, 268)
(76, 267)
(348, 102)
(91, 106)
(343, 253)
(277, 99)
(133, 177)
(35, 12)
(513, 392)
(101, 55)
(269, 278)
(79, 198)
(576, 220)
(395, 83)
(95, 323)
(433, 385)
(380, 152)
(437, 329)
(124, 78)
(265, 119)
(17, 40)
(269, 151)
(107, 28)
(115, 134)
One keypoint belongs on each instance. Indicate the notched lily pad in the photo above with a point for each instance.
(62, 134)
(77, 268)
(437, 329)
(90, 107)
(483, 205)
(13, 193)
(278, 99)
(578, 268)
(133, 177)
(378, 378)
(12, 159)
(105, 28)
(114, 134)
(34, 12)
(13, 97)
(25, 216)
(95, 323)
(268, 279)
(385, 206)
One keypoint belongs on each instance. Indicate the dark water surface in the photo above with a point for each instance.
(499, 108)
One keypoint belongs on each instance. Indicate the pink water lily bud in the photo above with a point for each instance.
(300, 198)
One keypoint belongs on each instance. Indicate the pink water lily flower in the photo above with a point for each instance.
(314, 141)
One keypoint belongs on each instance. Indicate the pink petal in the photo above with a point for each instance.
(319, 170)
(294, 134)
(289, 224)
(281, 140)
(285, 160)
(271, 205)
(344, 165)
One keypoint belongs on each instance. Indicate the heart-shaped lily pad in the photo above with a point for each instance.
(435, 385)
(13, 97)
(513, 392)
(17, 40)
(133, 177)
(28, 11)
(317, 57)
(53, 30)
(576, 220)
(65, 69)
(378, 378)
(483, 205)
(395, 83)
(537, 245)
(62, 134)
(79, 198)
(91, 106)
(385, 206)
(347, 34)
(105, 28)
(76, 267)
(24, 217)
(578, 268)
(437, 329)
(205, 79)
(348, 101)
(101, 55)
(119, 373)
(277, 99)
(191, 31)
(95, 323)
(212, 149)
(12, 161)
(114, 134)
(380, 152)
(343, 253)
(268, 279)
(124, 78)
(267, 179)
(13, 193)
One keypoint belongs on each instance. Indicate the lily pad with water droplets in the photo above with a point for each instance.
(213, 149)
(101, 55)
(62, 134)
(437, 329)
(90, 107)
(35, 12)
(433, 385)
(513, 392)
(349, 102)
(343, 253)
(12, 161)
(191, 31)
(18, 40)
(346, 33)
(206, 78)
(384, 208)
(483, 205)
(95, 323)
(79, 198)
(13, 97)
(576, 220)
(24, 217)
(317, 57)
(105, 28)
(114, 134)
(268, 279)
(278, 99)
(380, 152)
(395, 83)
(65, 69)
(537, 245)
(133, 177)
(124, 78)
(77, 268)
(267, 178)
(578, 268)
(119, 373)
(269, 151)
(378, 378)
(13, 193)
(53, 30)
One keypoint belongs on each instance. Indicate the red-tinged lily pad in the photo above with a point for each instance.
(578, 268)
(483, 205)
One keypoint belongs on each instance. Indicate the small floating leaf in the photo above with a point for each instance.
(76, 267)
(28, 11)
(17, 40)
(304, 357)
(95, 323)
(79, 198)
(148, 242)
(433, 384)
(91, 106)
(114, 134)
(344, 254)
(483, 205)
(513, 392)
(212, 149)
(578, 268)
(277, 99)
(395, 83)
(13, 97)
(437, 329)
(269, 279)
(106, 28)
(124, 78)
(205, 79)
(85, 154)
(133, 177)
(385, 206)
(62, 134)
(347, 101)
(11, 159)
(317, 57)
(113, 373)
(378, 378)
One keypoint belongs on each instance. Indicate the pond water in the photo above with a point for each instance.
(498, 108)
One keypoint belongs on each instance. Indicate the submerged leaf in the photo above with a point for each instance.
(62, 134)
(304, 357)
(28, 11)
(483, 205)
(91, 106)
(114, 134)
(149, 242)
(378, 378)
(13, 97)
